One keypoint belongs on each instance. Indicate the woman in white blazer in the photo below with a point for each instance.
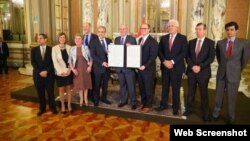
(64, 76)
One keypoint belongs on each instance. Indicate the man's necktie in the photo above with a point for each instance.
(142, 42)
(170, 43)
(86, 40)
(229, 49)
(122, 41)
(43, 52)
(103, 45)
(198, 48)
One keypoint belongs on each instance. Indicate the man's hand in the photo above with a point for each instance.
(43, 74)
(196, 69)
(168, 64)
(142, 68)
(105, 64)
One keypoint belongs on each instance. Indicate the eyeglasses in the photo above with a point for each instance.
(143, 28)
(230, 29)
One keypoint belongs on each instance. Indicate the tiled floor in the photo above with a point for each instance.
(18, 121)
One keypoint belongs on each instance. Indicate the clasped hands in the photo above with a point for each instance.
(196, 69)
(168, 64)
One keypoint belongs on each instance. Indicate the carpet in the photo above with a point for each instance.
(242, 106)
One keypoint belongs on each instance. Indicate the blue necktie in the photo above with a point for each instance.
(103, 45)
(122, 41)
(86, 40)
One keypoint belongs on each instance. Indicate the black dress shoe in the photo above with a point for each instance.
(187, 113)
(96, 104)
(214, 119)
(106, 101)
(39, 113)
(122, 104)
(175, 113)
(206, 120)
(54, 111)
(133, 107)
(161, 108)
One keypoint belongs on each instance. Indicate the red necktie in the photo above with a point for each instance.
(229, 49)
(198, 48)
(170, 43)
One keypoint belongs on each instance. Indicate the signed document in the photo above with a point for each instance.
(116, 55)
(133, 56)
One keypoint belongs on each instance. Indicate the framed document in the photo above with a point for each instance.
(133, 56)
(116, 55)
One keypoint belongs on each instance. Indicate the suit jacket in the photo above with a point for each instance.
(5, 50)
(149, 53)
(129, 40)
(92, 38)
(232, 67)
(59, 64)
(204, 59)
(177, 53)
(98, 54)
(41, 65)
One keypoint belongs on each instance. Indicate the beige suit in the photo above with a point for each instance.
(59, 64)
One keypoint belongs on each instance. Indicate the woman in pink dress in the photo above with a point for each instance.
(81, 63)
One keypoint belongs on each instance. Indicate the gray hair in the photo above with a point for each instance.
(174, 21)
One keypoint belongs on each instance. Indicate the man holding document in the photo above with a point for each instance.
(99, 51)
(126, 75)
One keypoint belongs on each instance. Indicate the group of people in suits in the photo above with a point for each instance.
(90, 54)
(232, 54)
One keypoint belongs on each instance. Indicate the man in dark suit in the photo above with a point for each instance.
(4, 54)
(200, 55)
(146, 72)
(101, 70)
(126, 75)
(89, 37)
(232, 54)
(172, 51)
(43, 74)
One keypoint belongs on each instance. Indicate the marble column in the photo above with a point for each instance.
(87, 10)
(218, 19)
(196, 16)
(102, 13)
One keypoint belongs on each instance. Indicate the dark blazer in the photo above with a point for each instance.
(5, 49)
(149, 53)
(177, 53)
(92, 38)
(205, 57)
(98, 54)
(39, 64)
(240, 55)
(129, 39)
